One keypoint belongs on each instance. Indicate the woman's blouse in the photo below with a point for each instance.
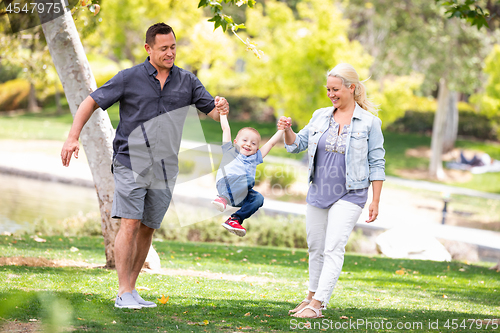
(329, 184)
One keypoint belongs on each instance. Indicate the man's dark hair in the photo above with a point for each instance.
(157, 29)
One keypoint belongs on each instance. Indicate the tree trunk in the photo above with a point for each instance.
(59, 110)
(451, 129)
(32, 104)
(436, 163)
(78, 81)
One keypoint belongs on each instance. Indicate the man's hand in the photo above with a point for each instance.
(70, 146)
(221, 105)
(284, 123)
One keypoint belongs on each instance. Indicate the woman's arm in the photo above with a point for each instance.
(294, 143)
(373, 209)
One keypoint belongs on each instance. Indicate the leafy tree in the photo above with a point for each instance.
(415, 36)
(298, 52)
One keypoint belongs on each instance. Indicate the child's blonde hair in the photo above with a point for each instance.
(248, 129)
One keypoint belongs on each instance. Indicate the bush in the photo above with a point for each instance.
(470, 123)
(278, 175)
(186, 166)
(14, 95)
(262, 230)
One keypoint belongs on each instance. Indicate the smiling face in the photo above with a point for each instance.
(162, 52)
(341, 96)
(248, 141)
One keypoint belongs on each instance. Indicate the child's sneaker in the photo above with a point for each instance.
(220, 203)
(235, 227)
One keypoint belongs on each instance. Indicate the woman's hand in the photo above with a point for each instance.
(284, 123)
(373, 212)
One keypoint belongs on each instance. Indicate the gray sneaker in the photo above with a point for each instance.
(127, 301)
(141, 301)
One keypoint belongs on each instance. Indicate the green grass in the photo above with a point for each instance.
(369, 289)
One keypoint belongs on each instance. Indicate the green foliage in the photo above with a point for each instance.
(488, 102)
(468, 10)
(298, 52)
(186, 166)
(396, 96)
(279, 176)
(9, 72)
(219, 18)
(416, 35)
(470, 123)
(14, 95)
(279, 230)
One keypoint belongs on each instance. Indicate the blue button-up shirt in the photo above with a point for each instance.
(142, 99)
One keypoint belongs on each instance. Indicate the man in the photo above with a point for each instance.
(154, 97)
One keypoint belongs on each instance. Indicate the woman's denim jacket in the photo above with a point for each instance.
(364, 146)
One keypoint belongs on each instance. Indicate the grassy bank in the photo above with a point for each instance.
(252, 291)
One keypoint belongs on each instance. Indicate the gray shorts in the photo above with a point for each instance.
(141, 198)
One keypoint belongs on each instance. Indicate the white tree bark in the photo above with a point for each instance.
(436, 163)
(451, 125)
(78, 81)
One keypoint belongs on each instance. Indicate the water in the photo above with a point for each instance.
(24, 201)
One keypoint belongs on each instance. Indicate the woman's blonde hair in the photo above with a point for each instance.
(349, 76)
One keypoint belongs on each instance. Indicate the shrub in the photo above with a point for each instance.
(186, 166)
(278, 175)
(14, 95)
(470, 123)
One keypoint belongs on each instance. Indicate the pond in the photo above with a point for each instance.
(25, 202)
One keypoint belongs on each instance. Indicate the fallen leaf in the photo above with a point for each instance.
(462, 269)
(344, 317)
(377, 299)
(33, 319)
(400, 272)
(444, 296)
(303, 259)
(267, 315)
(163, 300)
(247, 314)
(142, 288)
(39, 240)
(74, 249)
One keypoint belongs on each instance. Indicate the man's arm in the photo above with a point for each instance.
(82, 115)
(272, 142)
(226, 130)
(221, 108)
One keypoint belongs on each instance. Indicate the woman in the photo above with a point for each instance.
(345, 150)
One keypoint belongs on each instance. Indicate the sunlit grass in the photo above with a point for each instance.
(260, 285)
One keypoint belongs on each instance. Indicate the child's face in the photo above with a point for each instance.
(248, 141)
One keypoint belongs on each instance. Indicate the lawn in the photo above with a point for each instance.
(251, 291)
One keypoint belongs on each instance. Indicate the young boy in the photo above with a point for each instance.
(236, 175)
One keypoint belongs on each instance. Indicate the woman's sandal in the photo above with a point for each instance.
(316, 311)
(307, 301)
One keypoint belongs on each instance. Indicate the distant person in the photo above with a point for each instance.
(346, 154)
(154, 97)
(236, 175)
